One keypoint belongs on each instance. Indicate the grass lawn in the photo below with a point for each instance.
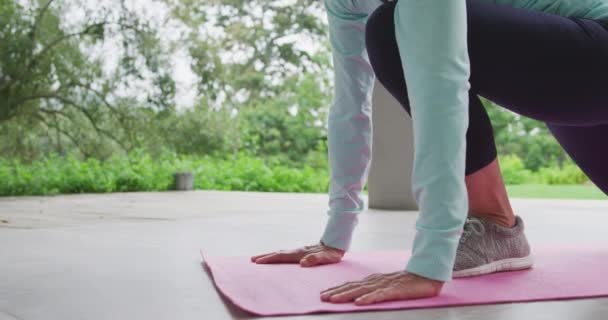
(582, 192)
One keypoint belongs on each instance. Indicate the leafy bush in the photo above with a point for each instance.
(569, 174)
(140, 172)
(513, 170)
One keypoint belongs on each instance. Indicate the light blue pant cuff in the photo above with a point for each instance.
(339, 230)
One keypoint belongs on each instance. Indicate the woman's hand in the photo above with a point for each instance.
(308, 256)
(380, 287)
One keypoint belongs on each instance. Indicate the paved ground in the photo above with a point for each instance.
(136, 256)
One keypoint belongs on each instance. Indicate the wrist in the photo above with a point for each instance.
(339, 230)
(436, 283)
(332, 248)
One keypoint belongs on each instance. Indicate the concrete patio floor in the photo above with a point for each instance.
(136, 256)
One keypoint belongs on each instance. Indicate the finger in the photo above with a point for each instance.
(367, 280)
(346, 284)
(261, 255)
(328, 292)
(352, 294)
(310, 260)
(274, 252)
(385, 294)
(318, 258)
(376, 296)
(278, 258)
(371, 279)
(341, 288)
(375, 276)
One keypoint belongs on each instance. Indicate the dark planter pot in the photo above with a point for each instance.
(184, 181)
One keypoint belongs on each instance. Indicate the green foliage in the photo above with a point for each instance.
(141, 172)
(200, 131)
(62, 115)
(262, 32)
(51, 78)
(513, 170)
(57, 97)
(515, 173)
(570, 173)
(526, 138)
(272, 128)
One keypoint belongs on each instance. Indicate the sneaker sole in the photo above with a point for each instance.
(512, 264)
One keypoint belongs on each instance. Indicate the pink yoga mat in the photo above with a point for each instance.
(288, 289)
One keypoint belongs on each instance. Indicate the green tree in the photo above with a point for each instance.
(291, 126)
(244, 51)
(49, 77)
(201, 131)
(526, 138)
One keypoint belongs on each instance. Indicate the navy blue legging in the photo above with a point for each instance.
(543, 66)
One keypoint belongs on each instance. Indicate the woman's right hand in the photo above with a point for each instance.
(308, 256)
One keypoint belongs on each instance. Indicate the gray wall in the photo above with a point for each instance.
(390, 175)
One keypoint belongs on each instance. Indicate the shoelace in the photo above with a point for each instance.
(472, 225)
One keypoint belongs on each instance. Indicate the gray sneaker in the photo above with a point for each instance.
(486, 247)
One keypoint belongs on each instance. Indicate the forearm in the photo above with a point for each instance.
(350, 123)
(431, 36)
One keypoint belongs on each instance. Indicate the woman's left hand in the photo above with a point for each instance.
(380, 287)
